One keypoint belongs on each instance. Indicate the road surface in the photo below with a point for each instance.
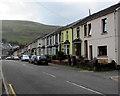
(28, 78)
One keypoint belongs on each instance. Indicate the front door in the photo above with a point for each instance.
(78, 50)
(90, 52)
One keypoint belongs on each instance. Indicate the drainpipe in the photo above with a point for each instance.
(116, 34)
(72, 40)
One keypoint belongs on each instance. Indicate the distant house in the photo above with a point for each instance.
(5, 49)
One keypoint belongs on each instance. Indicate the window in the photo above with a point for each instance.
(104, 25)
(102, 50)
(56, 38)
(56, 50)
(59, 37)
(68, 49)
(78, 32)
(85, 30)
(47, 40)
(53, 39)
(50, 40)
(62, 37)
(67, 35)
(89, 30)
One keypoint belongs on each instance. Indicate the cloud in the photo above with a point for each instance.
(19, 11)
(55, 12)
(64, 0)
(65, 13)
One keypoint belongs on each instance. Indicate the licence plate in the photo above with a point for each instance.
(43, 61)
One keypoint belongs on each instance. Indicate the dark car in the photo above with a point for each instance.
(32, 59)
(41, 60)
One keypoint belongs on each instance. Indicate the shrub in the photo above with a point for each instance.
(61, 55)
(54, 57)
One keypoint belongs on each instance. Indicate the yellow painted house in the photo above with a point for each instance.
(66, 41)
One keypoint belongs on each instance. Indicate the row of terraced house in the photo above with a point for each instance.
(96, 35)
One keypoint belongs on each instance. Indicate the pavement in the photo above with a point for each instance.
(113, 75)
(28, 78)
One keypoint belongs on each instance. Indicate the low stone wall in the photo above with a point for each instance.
(55, 61)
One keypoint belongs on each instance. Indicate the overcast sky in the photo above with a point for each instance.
(51, 12)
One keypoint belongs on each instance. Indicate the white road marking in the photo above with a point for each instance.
(85, 88)
(49, 74)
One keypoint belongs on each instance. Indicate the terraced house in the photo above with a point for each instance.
(52, 42)
(96, 35)
(77, 41)
(66, 39)
(56, 41)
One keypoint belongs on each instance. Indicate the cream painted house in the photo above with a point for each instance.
(99, 35)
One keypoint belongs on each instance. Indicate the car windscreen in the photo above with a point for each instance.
(43, 57)
(25, 56)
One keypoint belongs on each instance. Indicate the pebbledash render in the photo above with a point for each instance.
(99, 35)
(103, 37)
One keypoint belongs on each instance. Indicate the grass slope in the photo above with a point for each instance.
(24, 31)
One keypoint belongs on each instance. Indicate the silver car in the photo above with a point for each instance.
(32, 59)
(25, 58)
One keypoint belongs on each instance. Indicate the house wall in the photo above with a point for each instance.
(39, 45)
(119, 37)
(117, 28)
(42, 44)
(81, 37)
(99, 39)
(69, 38)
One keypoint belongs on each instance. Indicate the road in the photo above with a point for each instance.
(55, 79)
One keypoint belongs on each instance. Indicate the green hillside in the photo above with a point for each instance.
(24, 31)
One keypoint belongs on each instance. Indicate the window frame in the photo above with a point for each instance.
(78, 32)
(102, 51)
(104, 25)
(62, 37)
(89, 30)
(66, 35)
(85, 30)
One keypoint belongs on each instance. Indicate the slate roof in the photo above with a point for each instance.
(98, 14)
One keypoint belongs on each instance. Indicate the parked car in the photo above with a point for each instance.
(8, 58)
(15, 58)
(25, 58)
(41, 60)
(32, 59)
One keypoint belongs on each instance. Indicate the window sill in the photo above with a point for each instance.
(85, 36)
(103, 56)
(89, 36)
(104, 33)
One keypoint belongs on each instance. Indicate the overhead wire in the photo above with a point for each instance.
(53, 12)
